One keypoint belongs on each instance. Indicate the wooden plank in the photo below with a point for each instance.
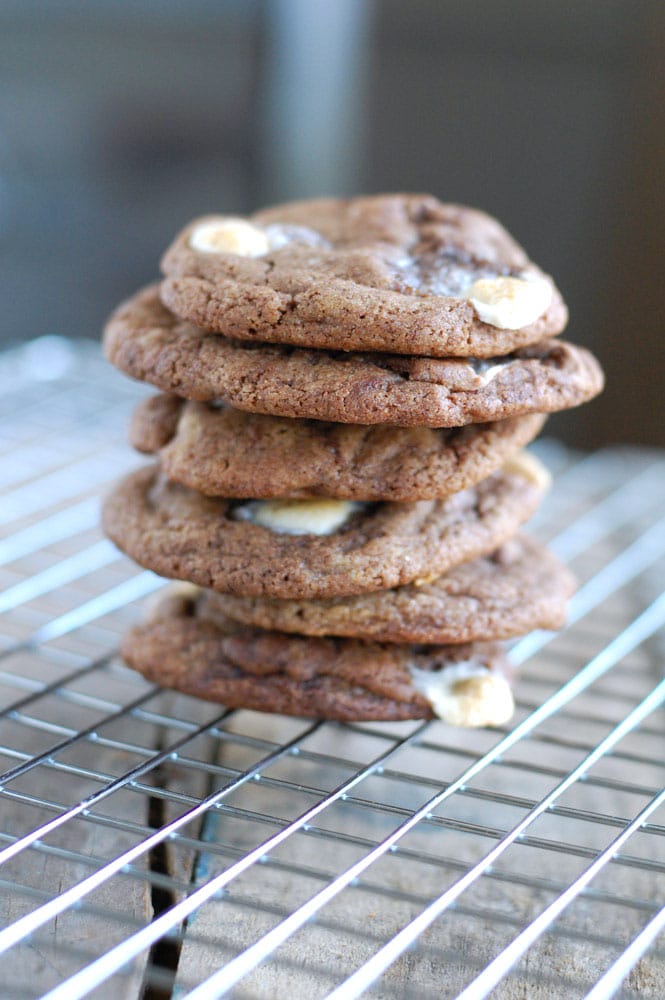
(179, 785)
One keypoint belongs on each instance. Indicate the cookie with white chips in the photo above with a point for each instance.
(319, 547)
(399, 273)
(344, 679)
(148, 342)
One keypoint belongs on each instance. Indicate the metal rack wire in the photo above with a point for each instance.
(155, 846)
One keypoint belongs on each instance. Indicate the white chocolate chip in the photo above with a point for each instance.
(466, 694)
(509, 303)
(482, 372)
(298, 517)
(528, 466)
(280, 235)
(226, 234)
(424, 581)
(489, 373)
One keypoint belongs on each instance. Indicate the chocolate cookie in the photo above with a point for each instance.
(212, 541)
(399, 273)
(220, 451)
(147, 342)
(339, 679)
(519, 587)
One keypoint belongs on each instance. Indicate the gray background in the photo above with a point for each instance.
(120, 120)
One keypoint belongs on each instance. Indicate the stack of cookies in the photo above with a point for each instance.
(346, 390)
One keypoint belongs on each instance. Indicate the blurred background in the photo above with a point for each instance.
(121, 119)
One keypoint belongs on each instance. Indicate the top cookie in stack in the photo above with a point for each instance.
(359, 560)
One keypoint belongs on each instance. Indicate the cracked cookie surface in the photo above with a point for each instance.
(183, 535)
(146, 341)
(220, 451)
(377, 273)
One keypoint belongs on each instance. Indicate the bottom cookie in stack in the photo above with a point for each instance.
(328, 678)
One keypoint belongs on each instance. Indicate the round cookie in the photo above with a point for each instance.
(220, 451)
(181, 534)
(400, 273)
(147, 342)
(340, 679)
(519, 587)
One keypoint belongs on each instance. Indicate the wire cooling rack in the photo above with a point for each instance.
(155, 846)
